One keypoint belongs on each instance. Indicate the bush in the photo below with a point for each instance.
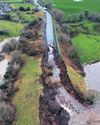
(58, 15)
(7, 17)
(33, 23)
(95, 17)
(91, 99)
(97, 28)
(4, 32)
(72, 53)
(16, 58)
(66, 28)
(64, 38)
(48, 5)
(28, 34)
(12, 45)
(7, 113)
(21, 8)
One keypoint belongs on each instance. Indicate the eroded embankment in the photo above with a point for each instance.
(51, 113)
(59, 99)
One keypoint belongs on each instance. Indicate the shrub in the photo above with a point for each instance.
(21, 8)
(33, 23)
(58, 15)
(28, 34)
(64, 38)
(95, 17)
(12, 45)
(7, 113)
(66, 28)
(91, 99)
(72, 53)
(97, 28)
(16, 57)
(4, 32)
(8, 17)
(48, 5)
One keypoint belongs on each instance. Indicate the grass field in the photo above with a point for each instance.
(12, 0)
(88, 47)
(24, 17)
(26, 99)
(14, 29)
(71, 7)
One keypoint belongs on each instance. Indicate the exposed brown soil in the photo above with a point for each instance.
(66, 47)
(65, 80)
(50, 111)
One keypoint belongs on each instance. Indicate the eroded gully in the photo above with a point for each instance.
(67, 102)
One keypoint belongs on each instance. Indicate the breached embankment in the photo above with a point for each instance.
(57, 103)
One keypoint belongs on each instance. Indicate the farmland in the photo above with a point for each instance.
(87, 38)
(72, 7)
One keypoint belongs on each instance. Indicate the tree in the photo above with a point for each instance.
(81, 17)
(58, 15)
(28, 9)
(49, 5)
(21, 8)
(7, 17)
(86, 13)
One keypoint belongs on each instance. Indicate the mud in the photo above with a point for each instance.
(51, 113)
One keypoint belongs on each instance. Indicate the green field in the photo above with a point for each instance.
(12, 0)
(88, 47)
(26, 99)
(71, 7)
(13, 29)
(87, 41)
(25, 5)
(20, 16)
(15, 26)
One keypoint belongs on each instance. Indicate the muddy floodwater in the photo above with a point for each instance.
(92, 77)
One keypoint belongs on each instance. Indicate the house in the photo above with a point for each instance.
(5, 7)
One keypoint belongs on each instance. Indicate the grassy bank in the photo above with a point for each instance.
(77, 80)
(27, 98)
